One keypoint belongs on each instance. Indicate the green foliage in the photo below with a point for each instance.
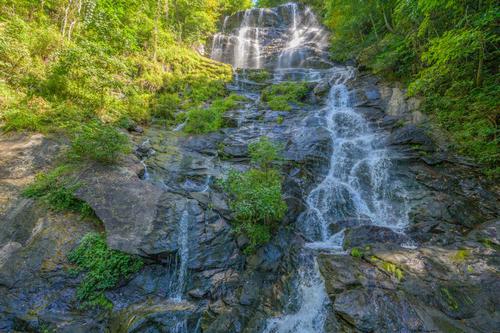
(447, 51)
(356, 252)
(265, 153)
(56, 188)
(389, 267)
(259, 75)
(99, 142)
(208, 120)
(257, 202)
(71, 67)
(104, 269)
(256, 197)
(281, 97)
(393, 270)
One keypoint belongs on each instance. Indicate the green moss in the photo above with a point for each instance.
(461, 255)
(389, 267)
(280, 120)
(281, 97)
(356, 252)
(56, 189)
(104, 269)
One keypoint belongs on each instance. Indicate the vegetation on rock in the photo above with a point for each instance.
(206, 120)
(56, 189)
(104, 269)
(256, 195)
(281, 97)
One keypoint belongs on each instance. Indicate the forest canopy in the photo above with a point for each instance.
(73, 66)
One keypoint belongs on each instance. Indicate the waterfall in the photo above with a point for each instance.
(357, 185)
(358, 188)
(295, 41)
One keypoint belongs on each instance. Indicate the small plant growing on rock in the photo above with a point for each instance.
(265, 154)
(56, 189)
(104, 269)
(356, 252)
(99, 142)
(259, 75)
(280, 97)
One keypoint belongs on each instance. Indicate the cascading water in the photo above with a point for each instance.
(183, 256)
(263, 40)
(358, 188)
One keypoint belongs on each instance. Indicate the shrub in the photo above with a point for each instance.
(104, 269)
(99, 142)
(56, 189)
(208, 120)
(259, 75)
(257, 202)
(264, 153)
(280, 97)
(356, 252)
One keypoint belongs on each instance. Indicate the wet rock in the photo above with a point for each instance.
(413, 136)
(155, 316)
(370, 234)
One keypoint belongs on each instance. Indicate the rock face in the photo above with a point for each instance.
(440, 274)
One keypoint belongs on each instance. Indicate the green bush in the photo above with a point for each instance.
(281, 97)
(356, 252)
(255, 196)
(257, 202)
(199, 121)
(104, 269)
(99, 142)
(259, 75)
(56, 188)
(264, 153)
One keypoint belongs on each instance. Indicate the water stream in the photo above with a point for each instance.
(358, 189)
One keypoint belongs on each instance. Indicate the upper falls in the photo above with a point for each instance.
(288, 36)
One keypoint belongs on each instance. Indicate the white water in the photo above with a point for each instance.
(356, 187)
(312, 300)
(243, 48)
(304, 30)
(183, 257)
